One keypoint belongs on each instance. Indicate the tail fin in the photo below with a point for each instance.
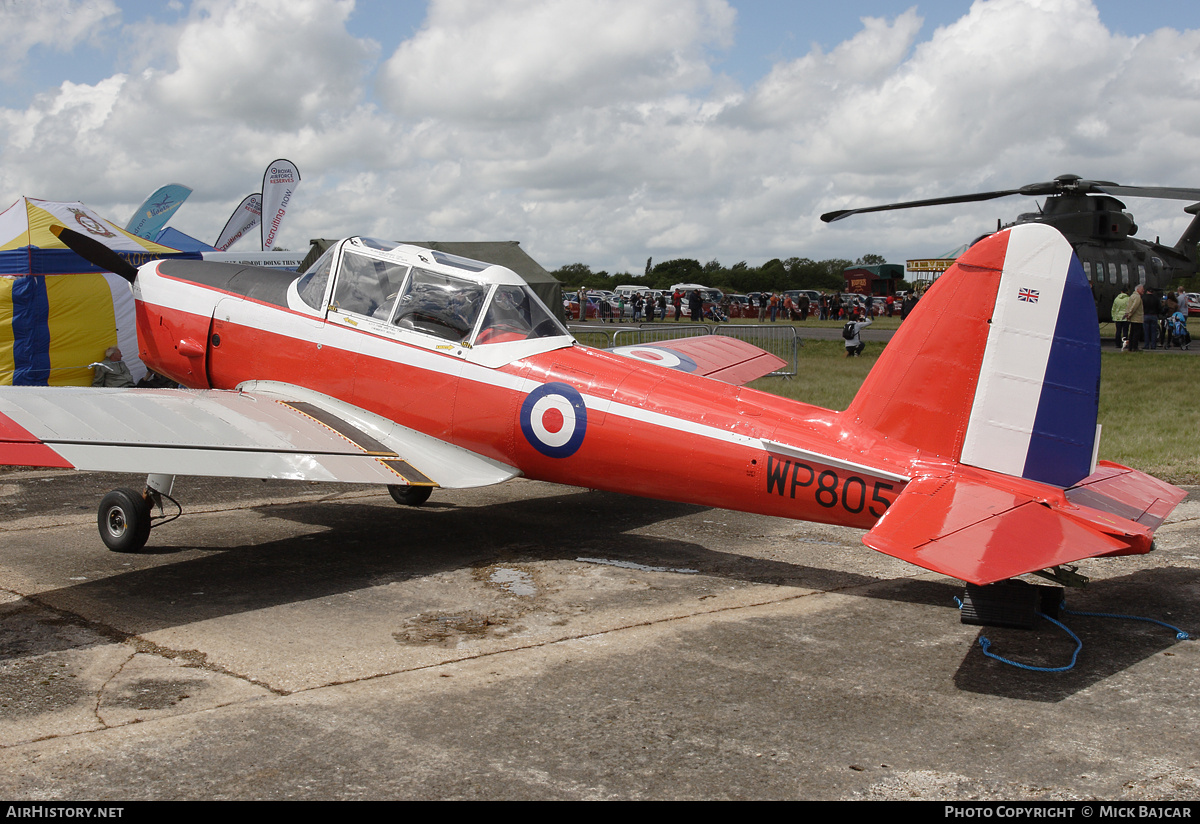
(998, 366)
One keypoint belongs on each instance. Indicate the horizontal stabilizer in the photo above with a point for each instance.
(722, 358)
(981, 533)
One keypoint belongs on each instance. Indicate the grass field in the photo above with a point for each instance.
(1149, 402)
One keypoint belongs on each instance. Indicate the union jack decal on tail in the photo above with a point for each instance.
(1028, 295)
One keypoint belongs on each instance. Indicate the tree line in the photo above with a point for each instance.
(773, 276)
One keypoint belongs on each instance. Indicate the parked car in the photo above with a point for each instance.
(606, 297)
(708, 299)
(813, 297)
(571, 307)
(739, 307)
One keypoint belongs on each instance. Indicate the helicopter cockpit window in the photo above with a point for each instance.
(515, 314)
(366, 286)
(440, 305)
(311, 286)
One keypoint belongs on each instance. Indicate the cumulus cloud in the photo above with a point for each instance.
(476, 59)
(57, 24)
(600, 131)
(278, 62)
(1014, 92)
(242, 83)
(795, 90)
(1008, 74)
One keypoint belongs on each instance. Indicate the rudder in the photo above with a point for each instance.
(998, 366)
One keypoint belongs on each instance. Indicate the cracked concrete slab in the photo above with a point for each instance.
(60, 676)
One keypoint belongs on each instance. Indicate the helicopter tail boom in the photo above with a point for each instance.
(1191, 236)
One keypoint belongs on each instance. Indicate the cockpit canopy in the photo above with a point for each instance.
(446, 296)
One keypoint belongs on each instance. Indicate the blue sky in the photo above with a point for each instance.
(608, 131)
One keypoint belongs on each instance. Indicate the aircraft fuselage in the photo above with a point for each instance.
(571, 415)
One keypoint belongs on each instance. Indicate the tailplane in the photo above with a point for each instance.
(969, 524)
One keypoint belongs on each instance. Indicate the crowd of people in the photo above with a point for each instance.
(855, 310)
(1145, 319)
(767, 307)
(838, 306)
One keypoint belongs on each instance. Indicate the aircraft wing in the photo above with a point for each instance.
(719, 357)
(979, 531)
(269, 430)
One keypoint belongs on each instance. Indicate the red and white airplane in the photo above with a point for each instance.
(970, 449)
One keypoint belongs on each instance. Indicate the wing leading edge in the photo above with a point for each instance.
(269, 430)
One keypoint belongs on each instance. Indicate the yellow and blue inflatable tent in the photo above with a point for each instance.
(58, 313)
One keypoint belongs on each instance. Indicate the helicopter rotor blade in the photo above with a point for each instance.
(1050, 187)
(1063, 185)
(1168, 192)
(95, 253)
(830, 217)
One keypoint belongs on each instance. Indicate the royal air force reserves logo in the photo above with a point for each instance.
(554, 420)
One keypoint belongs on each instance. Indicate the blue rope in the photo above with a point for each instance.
(985, 644)
(1180, 635)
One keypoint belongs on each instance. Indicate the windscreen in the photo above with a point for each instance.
(439, 305)
(515, 313)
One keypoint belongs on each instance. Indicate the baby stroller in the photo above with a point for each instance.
(1177, 332)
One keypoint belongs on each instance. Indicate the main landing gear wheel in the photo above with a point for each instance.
(410, 495)
(124, 520)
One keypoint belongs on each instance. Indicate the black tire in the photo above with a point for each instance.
(124, 520)
(410, 495)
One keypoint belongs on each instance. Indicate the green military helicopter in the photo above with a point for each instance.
(1097, 225)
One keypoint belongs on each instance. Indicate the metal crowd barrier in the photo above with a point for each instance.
(594, 335)
(658, 332)
(781, 340)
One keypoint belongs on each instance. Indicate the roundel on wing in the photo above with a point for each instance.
(659, 356)
(554, 420)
